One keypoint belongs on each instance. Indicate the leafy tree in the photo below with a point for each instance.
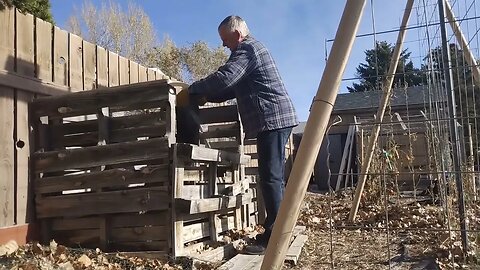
(167, 57)
(188, 63)
(129, 33)
(38, 8)
(372, 73)
(200, 60)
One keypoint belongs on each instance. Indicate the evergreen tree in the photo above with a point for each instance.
(38, 8)
(372, 73)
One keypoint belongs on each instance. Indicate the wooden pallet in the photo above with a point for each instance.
(109, 173)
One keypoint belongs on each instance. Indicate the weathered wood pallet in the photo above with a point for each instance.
(108, 172)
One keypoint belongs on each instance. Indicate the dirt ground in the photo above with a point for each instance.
(416, 238)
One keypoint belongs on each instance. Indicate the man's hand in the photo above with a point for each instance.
(183, 98)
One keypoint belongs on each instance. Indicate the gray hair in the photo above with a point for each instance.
(235, 23)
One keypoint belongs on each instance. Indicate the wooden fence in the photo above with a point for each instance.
(38, 59)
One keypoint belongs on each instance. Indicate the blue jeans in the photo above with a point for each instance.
(271, 168)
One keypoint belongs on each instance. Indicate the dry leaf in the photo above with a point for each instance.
(9, 248)
(84, 260)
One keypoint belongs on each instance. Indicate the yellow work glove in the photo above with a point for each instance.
(183, 98)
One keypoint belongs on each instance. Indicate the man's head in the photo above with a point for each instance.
(232, 31)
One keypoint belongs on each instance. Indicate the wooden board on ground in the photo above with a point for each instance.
(253, 262)
(293, 253)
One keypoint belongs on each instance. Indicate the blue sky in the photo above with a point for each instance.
(294, 31)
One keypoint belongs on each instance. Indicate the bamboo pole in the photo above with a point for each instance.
(463, 41)
(387, 89)
(313, 136)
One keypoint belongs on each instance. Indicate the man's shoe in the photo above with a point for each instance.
(255, 250)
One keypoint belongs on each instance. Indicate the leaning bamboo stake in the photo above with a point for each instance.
(387, 89)
(313, 136)
(463, 41)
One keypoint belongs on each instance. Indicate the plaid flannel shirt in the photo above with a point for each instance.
(251, 76)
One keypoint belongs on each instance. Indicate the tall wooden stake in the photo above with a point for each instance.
(313, 136)
(387, 89)
(463, 42)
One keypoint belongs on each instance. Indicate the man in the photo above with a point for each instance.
(266, 111)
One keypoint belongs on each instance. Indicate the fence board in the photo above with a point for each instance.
(133, 72)
(60, 56)
(24, 44)
(23, 207)
(89, 60)
(150, 74)
(76, 63)
(102, 67)
(43, 54)
(7, 21)
(113, 79)
(6, 157)
(123, 70)
(142, 73)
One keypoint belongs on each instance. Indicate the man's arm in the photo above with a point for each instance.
(221, 96)
(239, 65)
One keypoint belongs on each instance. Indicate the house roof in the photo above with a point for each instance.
(415, 96)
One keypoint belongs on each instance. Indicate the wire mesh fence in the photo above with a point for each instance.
(420, 207)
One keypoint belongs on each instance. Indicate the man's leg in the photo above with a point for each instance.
(271, 167)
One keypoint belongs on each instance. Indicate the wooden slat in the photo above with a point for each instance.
(119, 220)
(150, 75)
(131, 121)
(142, 73)
(134, 234)
(84, 238)
(23, 206)
(152, 218)
(67, 224)
(219, 131)
(24, 44)
(178, 167)
(76, 63)
(196, 231)
(147, 199)
(218, 114)
(43, 41)
(7, 52)
(13, 80)
(89, 101)
(227, 145)
(136, 246)
(133, 72)
(194, 152)
(243, 262)
(60, 57)
(295, 249)
(211, 204)
(6, 157)
(102, 67)
(100, 155)
(115, 136)
(123, 70)
(89, 62)
(113, 79)
(109, 178)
